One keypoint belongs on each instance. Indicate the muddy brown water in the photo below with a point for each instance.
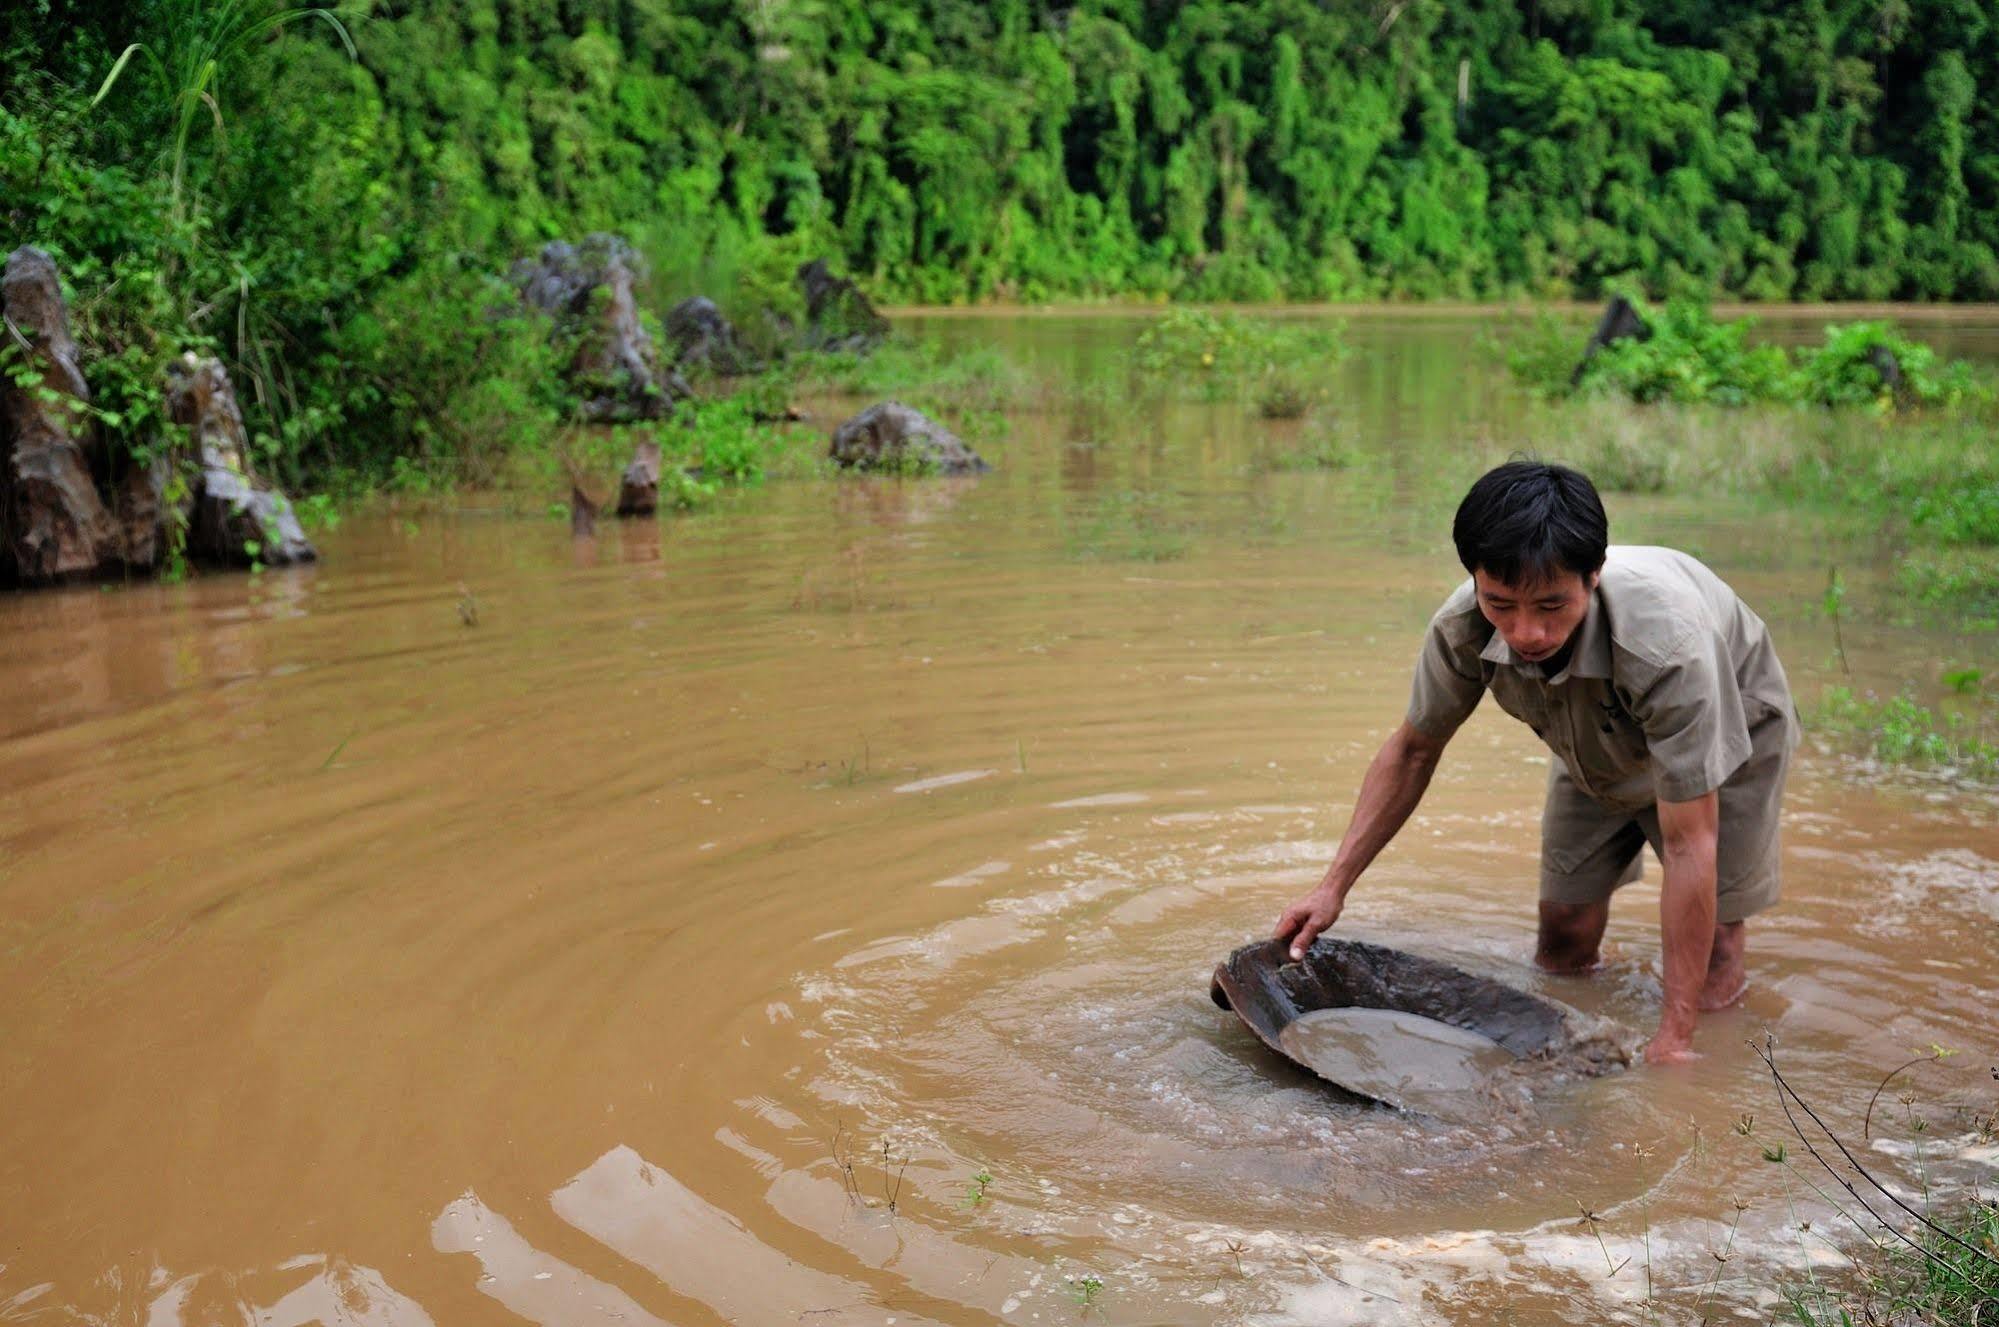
(678, 943)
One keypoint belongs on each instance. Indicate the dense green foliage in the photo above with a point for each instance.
(332, 218)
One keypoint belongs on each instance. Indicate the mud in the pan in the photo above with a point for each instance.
(1403, 1059)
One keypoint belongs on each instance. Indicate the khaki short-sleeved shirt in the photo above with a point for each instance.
(1671, 678)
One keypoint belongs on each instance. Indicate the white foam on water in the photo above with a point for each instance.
(936, 781)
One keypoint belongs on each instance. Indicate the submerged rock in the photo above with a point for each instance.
(1620, 322)
(638, 490)
(53, 522)
(702, 337)
(837, 315)
(1273, 996)
(587, 289)
(895, 437)
(237, 519)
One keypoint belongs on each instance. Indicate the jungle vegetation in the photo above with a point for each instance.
(326, 197)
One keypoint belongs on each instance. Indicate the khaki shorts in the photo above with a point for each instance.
(1589, 850)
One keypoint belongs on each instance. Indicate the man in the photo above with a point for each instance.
(1662, 699)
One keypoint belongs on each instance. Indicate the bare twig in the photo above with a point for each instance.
(1786, 1096)
(1321, 1269)
(1867, 1124)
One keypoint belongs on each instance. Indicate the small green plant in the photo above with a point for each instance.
(1226, 356)
(854, 768)
(1087, 1290)
(1900, 731)
(1690, 356)
(1324, 450)
(1964, 681)
(1286, 393)
(1927, 1264)
(1961, 581)
(975, 1190)
(318, 511)
(1131, 525)
(1834, 601)
(1966, 513)
(681, 491)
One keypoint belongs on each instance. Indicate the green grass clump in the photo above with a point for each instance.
(1131, 526)
(1945, 1285)
(1279, 365)
(1963, 581)
(943, 382)
(1901, 731)
(1325, 449)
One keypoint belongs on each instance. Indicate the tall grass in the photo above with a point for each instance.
(196, 50)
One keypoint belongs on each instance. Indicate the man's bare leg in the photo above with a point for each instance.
(1571, 936)
(1727, 977)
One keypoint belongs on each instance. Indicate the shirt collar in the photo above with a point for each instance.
(1591, 657)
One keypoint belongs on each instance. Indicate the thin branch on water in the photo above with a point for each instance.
(1867, 1124)
(1321, 1269)
(1786, 1095)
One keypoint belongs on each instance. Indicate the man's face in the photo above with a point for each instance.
(1536, 619)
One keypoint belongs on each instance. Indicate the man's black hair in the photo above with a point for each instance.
(1527, 521)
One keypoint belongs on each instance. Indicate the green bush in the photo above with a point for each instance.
(1844, 372)
(1961, 581)
(1279, 364)
(1690, 357)
(724, 441)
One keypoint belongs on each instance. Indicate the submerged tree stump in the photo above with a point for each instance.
(638, 489)
(1620, 322)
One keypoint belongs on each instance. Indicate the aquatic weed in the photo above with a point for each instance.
(1901, 731)
(1131, 525)
(1087, 1290)
(1227, 356)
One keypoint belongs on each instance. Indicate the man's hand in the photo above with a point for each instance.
(1304, 920)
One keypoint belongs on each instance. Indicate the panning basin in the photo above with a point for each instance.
(1280, 1001)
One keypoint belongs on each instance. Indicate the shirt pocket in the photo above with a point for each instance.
(1607, 734)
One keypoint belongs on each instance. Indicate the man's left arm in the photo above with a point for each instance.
(1688, 831)
(1697, 735)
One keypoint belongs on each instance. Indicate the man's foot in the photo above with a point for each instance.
(1727, 976)
(1723, 989)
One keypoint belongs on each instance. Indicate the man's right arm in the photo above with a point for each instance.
(1394, 784)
